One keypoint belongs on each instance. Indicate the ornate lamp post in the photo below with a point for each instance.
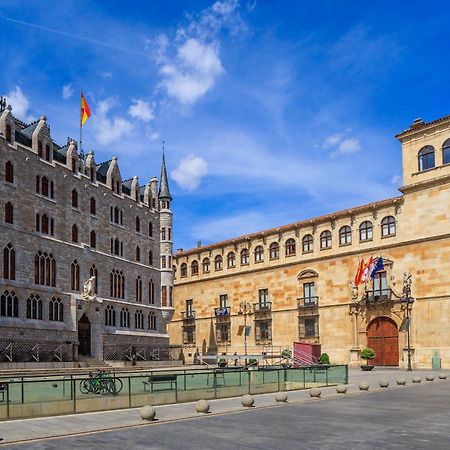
(245, 308)
(407, 282)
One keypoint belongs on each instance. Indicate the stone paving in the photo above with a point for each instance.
(393, 401)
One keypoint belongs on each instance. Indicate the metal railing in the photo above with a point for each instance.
(378, 296)
(187, 315)
(222, 311)
(307, 302)
(262, 307)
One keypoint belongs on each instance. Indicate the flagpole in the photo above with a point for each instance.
(81, 127)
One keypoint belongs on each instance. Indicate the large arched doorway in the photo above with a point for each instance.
(382, 337)
(84, 336)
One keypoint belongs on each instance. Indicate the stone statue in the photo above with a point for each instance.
(354, 292)
(89, 290)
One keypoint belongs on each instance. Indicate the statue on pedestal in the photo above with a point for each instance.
(89, 294)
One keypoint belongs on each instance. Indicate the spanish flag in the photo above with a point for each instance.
(85, 112)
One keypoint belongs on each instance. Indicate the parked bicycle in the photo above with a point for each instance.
(101, 383)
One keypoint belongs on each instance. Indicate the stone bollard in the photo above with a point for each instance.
(363, 386)
(442, 376)
(430, 377)
(247, 401)
(384, 383)
(281, 397)
(315, 393)
(202, 406)
(416, 379)
(341, 389)
(401, 381)
(147, 412)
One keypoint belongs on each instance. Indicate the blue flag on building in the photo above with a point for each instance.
(378, 266)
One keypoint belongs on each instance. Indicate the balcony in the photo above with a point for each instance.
(307, 302)
(378, 296)
(222, 312)
(188, 315)
(262, 307)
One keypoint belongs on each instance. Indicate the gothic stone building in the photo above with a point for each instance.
(296, 280)
(67, 219)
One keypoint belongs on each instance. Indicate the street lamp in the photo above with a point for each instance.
(245, 308)
(407, 282)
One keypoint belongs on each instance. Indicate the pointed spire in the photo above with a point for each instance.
(164, 192)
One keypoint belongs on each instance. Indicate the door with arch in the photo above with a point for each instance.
(84, 336)
(382, 337)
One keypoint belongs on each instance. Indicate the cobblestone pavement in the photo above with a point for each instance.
(416, 416)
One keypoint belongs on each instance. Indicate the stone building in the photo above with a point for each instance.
(296, 280)
(86, 267)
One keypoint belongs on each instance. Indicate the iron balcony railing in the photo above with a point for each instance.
(187, 315)
(222, 311)
(379, 295)
(262, 307)
(307, 302)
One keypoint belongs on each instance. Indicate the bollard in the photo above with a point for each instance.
(147, 412)
(363, 386)
(202, 406)
(247, 401)
(281, 397)
(315, 393)
(341, 389)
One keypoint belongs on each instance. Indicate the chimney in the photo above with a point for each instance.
(199, 244)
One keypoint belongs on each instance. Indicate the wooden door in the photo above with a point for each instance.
(84, 336)
(382, 337)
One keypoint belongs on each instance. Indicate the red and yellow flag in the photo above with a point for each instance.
(85, 112)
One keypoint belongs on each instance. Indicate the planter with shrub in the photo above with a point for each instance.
(368, 354)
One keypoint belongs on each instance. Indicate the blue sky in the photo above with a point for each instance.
(272, 112)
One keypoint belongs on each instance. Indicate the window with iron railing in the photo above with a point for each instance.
(263, 331)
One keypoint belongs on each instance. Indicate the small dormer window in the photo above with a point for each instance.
(118, 187)
(91, 174)
(8, 133)
(74, 165)
(47, 153)
(40, 149)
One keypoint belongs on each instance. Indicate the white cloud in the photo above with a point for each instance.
(396, 180)
(142, 110)
(350, 145)
(109, 129)
(67, 91)
(189, 172)
(340, 144)
(20, 104)
(332, 141)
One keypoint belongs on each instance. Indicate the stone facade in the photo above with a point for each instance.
(298, 278)
(65, 220)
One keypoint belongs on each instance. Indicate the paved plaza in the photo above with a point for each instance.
(411, 417)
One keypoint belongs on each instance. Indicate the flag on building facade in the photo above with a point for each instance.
(85, 112)
(367, 270)
(359, 273)
(377, 267)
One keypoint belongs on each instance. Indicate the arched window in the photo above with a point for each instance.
(151, 292)
(9, 304)
(121, 217)
(259, 253)
(44, 186)
(366, 231)
(74, 164)
(183, 270)
(138, 225)
(274, 250)
(125, 318)
(426, 158)
(117, 284)
(307, 243)
(93, 273)
(45, 269)
(388, 227)
(218, 262)
(245, 255)
(38, 184)
(9, 213)
(55, 310)
(47, 152)
(163, 295)
(151, 321)
(206, 265)
(74, 233)
(110, 316)
(52, 189)
(194, 267)
(345, 235)
(138, 289)
(116, 247)
(231, 260)
(150, 229)
(93, 239)
(9, 263)
(290, 247)
(325, 239)
(44, 224)
(116, 215)
(138, 253)
(34, 307)
(9, 172)
(40, 149)
(150, 258)
(75, 276)
(139, 319)
(93, 208)
(8, 133)
(74, 199)
(92, 174)
(446, 152)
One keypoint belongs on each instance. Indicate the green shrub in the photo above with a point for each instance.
(324, 358)
(367, 354)
(222, 362)
(252, 362)
(286, 353)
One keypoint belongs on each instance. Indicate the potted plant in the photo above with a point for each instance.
(367, 354)
(324, 359)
